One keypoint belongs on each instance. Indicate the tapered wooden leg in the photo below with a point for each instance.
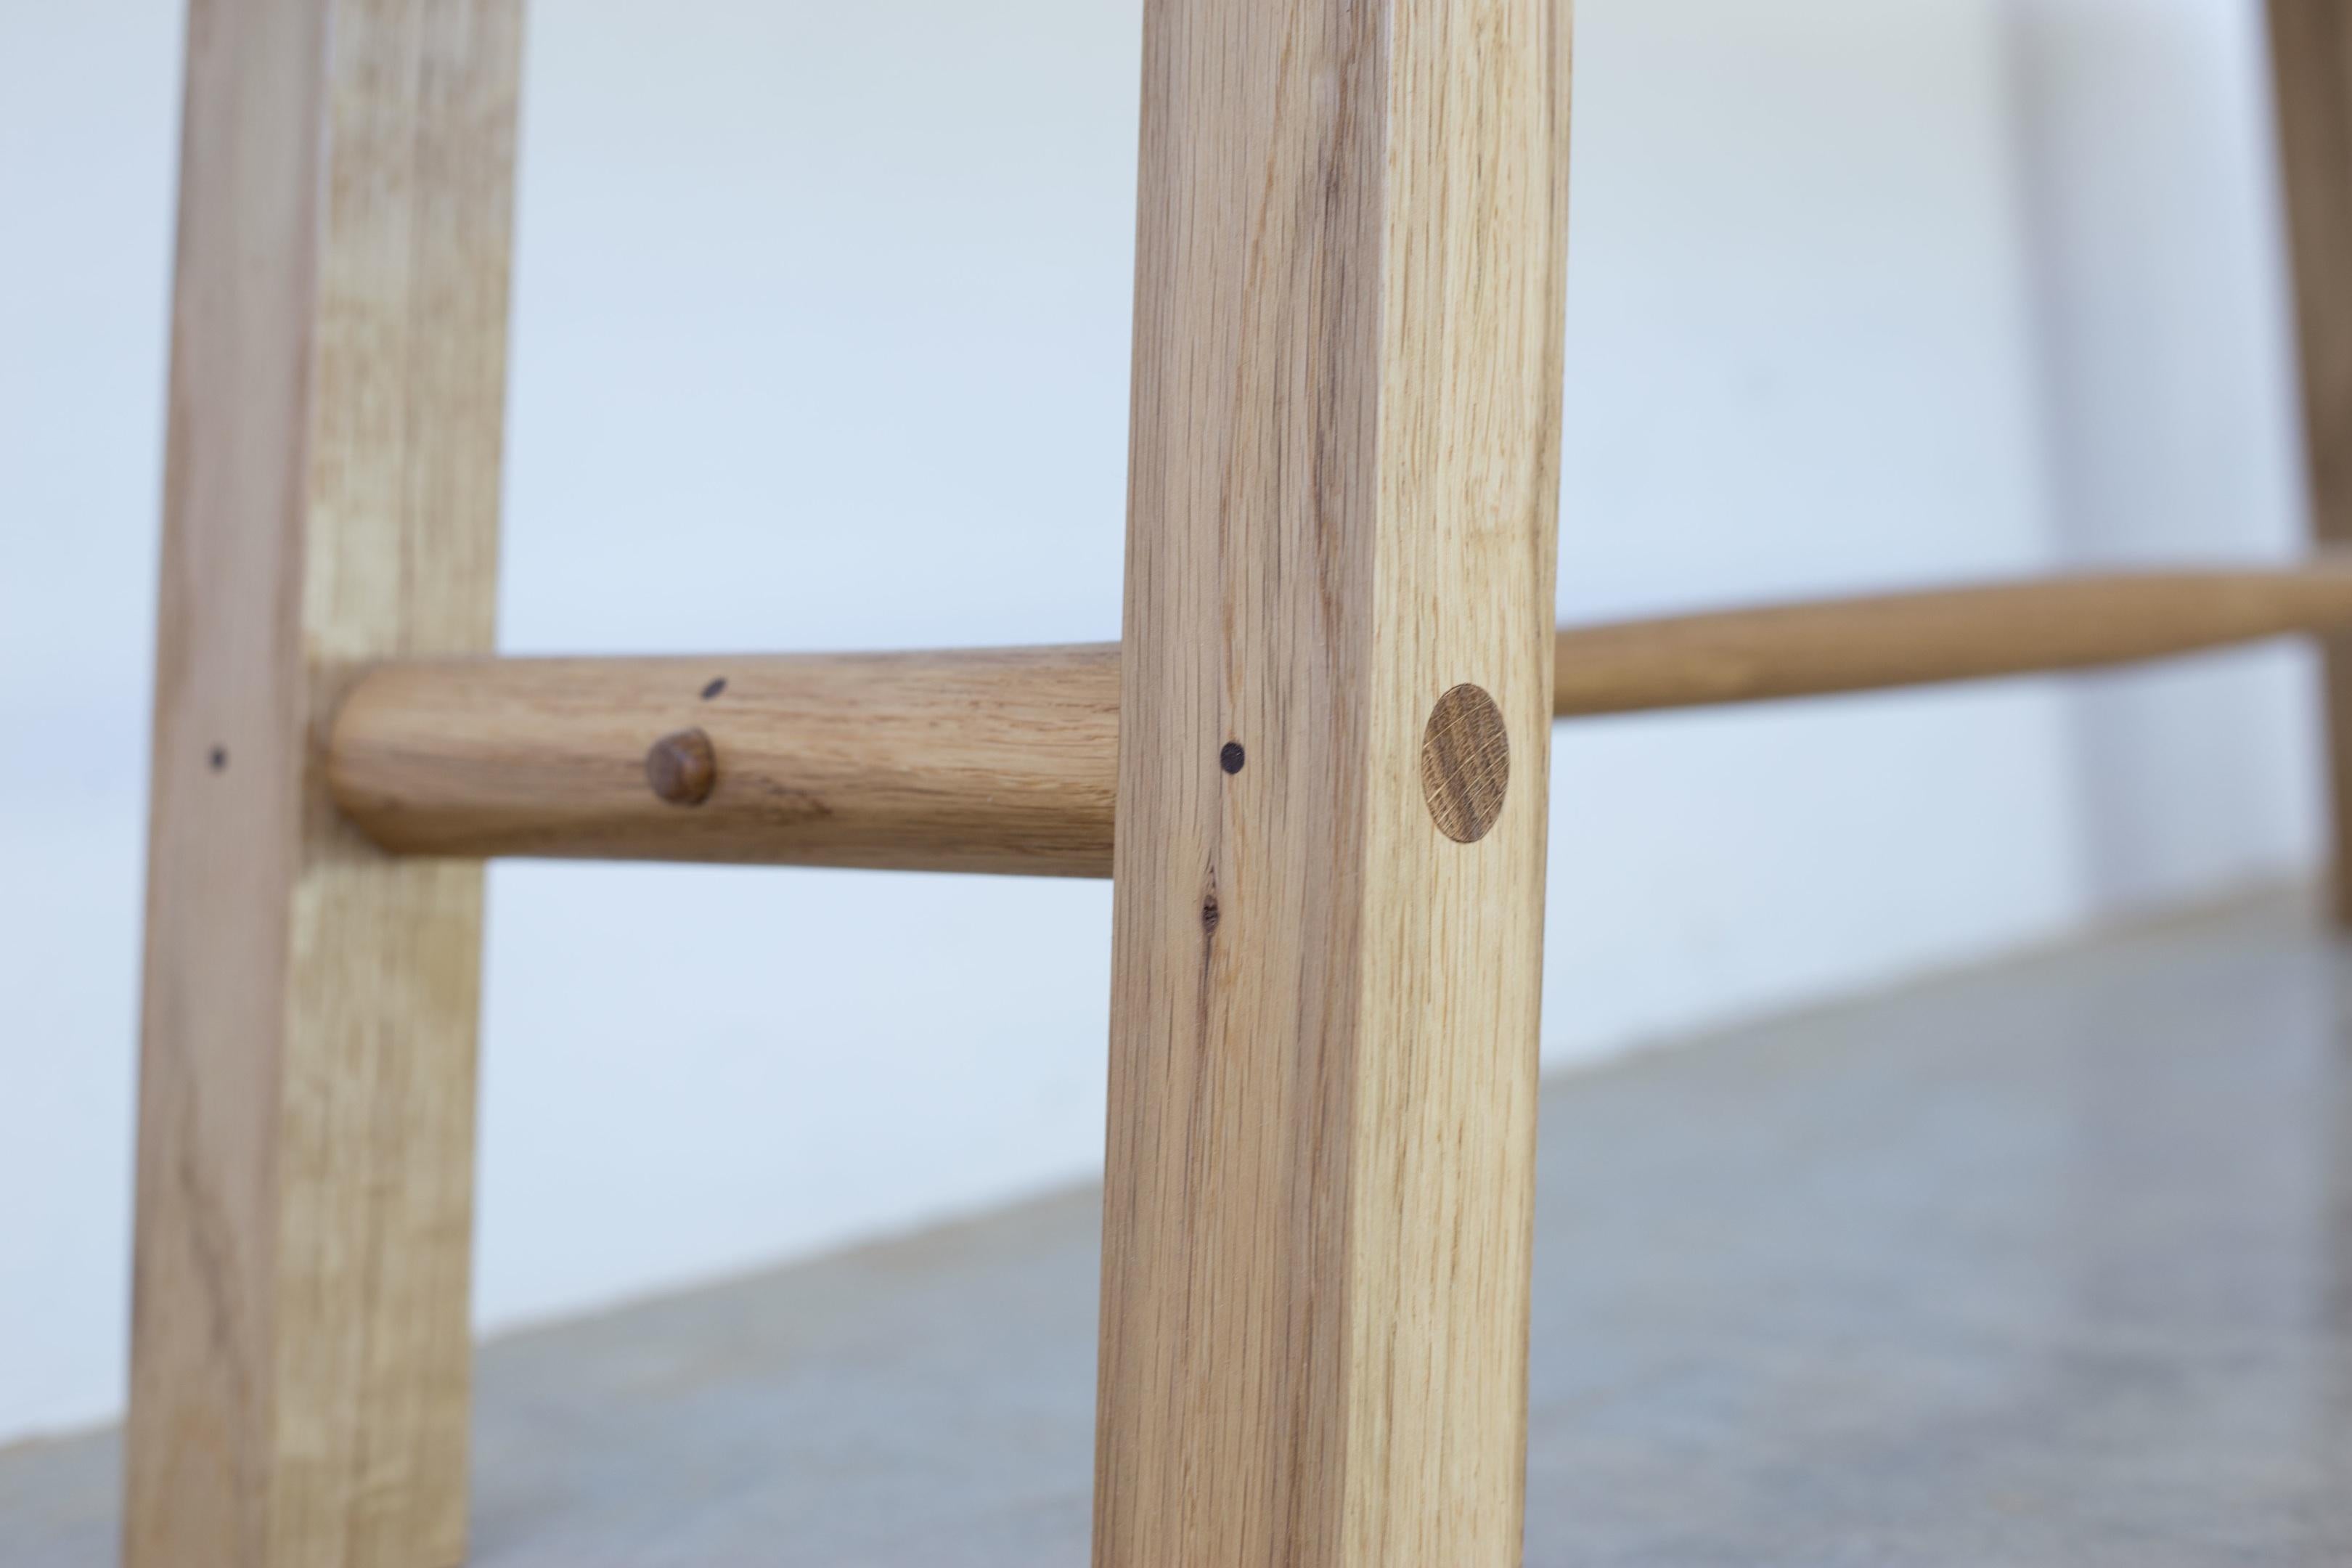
(299, 1357)
(1334, 739)
(2311, 46)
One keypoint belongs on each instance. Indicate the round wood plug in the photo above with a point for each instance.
(1465, 763)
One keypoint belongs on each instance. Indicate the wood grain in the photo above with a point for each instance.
(1002, 761)
(300, 1354)
(1973, 633)
(2311, 45)
(1324, 1016)
(1006, 760)
(1465, 763)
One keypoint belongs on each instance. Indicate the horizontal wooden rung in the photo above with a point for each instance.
(1943, 634)
(1000, 761)
(1005, 759)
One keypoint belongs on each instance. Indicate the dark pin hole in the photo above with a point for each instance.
(1232, 758)
(714, 689)
(219, 758)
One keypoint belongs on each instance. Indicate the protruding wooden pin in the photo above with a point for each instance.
(683, 768)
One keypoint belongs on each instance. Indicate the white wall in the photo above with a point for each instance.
(88, 116)
(2155, 237)
(1800, 361)
(820, 340)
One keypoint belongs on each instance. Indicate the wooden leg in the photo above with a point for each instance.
(300, 1362)
(2311, 46)
(1334, 743)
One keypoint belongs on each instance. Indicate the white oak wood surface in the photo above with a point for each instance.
(301, 1355)
(1000, 761)
(1324, 1011)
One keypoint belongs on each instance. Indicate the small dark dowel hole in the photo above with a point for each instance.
(714, 689)
(219, 758)
(1232, 758)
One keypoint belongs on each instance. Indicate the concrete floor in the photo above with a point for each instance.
(2048, 1263)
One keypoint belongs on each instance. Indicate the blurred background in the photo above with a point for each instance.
(820, 340)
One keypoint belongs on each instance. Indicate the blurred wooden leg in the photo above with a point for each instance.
(301, 1355)
(2311, 46)
(1332, 789)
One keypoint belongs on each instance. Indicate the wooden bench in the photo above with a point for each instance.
(1314, 767)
